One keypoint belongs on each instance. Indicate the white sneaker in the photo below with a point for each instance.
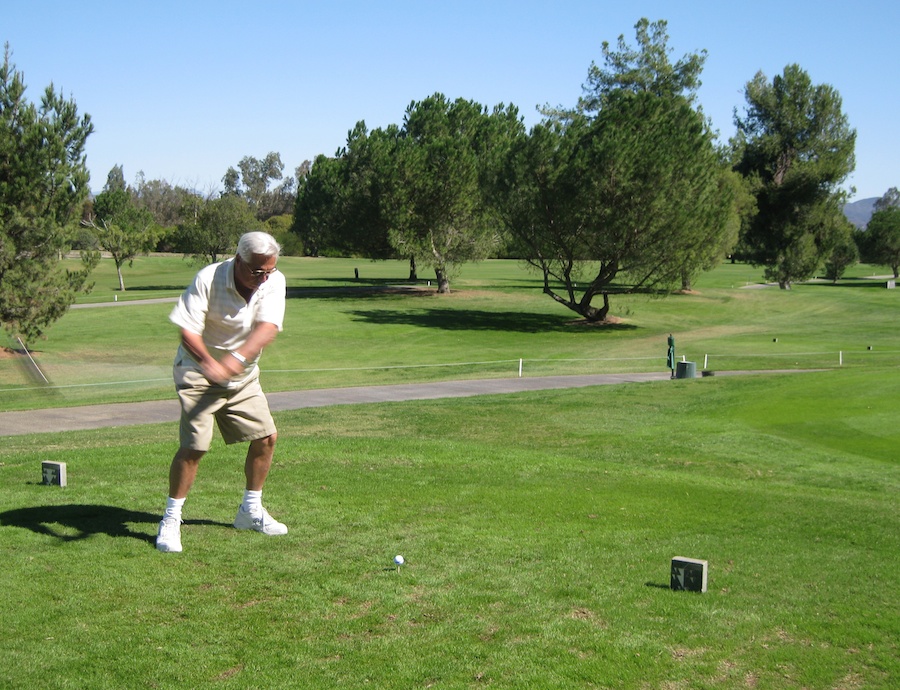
(259, 521)
(168, 539)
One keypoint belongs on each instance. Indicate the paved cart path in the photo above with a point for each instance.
(154, 412)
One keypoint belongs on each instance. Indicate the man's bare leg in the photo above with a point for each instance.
(259, 461)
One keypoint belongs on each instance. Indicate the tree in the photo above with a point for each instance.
(795, 147)
(890, 198)
(631, 200)
(437, 207)
(253, 184)
(43, 184)
(844, 255)
(883, 233)
(642, 69)
(626, 192)
(341, 201)
(723, 227)
(115, 179)
(165, 202)
(316, 210)
(122, 228)
(416, 190)
(217, 227)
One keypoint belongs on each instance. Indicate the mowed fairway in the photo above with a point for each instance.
(537, 528)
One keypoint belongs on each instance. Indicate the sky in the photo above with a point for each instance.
(182, 90)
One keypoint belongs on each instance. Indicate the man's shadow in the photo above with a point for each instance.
(87, 520)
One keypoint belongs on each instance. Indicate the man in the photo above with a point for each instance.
(230, 312)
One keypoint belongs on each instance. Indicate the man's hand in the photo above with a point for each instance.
(220, 372)
(215, 371)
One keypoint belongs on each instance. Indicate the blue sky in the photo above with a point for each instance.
(183, 90)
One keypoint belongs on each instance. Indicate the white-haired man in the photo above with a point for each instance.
(229, 313)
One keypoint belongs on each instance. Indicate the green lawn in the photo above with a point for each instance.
(495, 316)
(537, 529)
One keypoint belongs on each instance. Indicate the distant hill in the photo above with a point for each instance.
(859, 212)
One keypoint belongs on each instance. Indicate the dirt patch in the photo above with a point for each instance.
(9, 353)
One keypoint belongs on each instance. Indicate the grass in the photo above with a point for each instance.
(496, 316)
(537, 527)
(537, 551)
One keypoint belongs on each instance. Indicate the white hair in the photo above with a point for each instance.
(257, 243)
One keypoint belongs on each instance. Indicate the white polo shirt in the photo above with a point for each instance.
(212, 307)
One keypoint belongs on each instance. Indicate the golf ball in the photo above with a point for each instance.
(398, 559)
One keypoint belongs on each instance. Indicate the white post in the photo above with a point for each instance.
(520, 367)
(841, 358)
(706, 361)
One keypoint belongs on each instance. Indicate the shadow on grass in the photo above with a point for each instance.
(478, 320)
(363, 290)
(657, 585)
(87, 520)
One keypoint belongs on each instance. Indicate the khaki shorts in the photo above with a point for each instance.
(242, 413)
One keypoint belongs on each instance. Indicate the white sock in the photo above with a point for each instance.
(173, 508)
(252, 501)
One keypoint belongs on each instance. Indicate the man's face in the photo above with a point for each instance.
(253, 273)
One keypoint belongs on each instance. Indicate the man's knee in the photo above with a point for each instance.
(267, 441)
(189, 455)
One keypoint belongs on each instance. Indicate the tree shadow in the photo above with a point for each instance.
(87, 521)
(476, 320)
(356, 291)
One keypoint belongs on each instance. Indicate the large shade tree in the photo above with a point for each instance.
(627, 191)
(627, 201)
(795, 147)
(339, 203)
(436, 207)
(43, 184)
(416, 191)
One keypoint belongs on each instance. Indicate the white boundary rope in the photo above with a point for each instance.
(519, 363)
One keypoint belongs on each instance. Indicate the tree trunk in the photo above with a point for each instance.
(443, 281)
(413, 274)
(121, 279)
(594, 314)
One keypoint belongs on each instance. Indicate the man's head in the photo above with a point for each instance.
(261, 243)
(257, 254)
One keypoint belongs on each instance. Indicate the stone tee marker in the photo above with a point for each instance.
(54, 473)
(688, 574)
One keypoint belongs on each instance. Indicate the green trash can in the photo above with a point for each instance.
(686, 370)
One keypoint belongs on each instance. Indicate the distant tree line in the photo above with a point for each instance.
(130, 220)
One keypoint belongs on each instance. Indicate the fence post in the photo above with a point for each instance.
(520, 367)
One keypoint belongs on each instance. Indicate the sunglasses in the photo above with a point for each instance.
(261, 272)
